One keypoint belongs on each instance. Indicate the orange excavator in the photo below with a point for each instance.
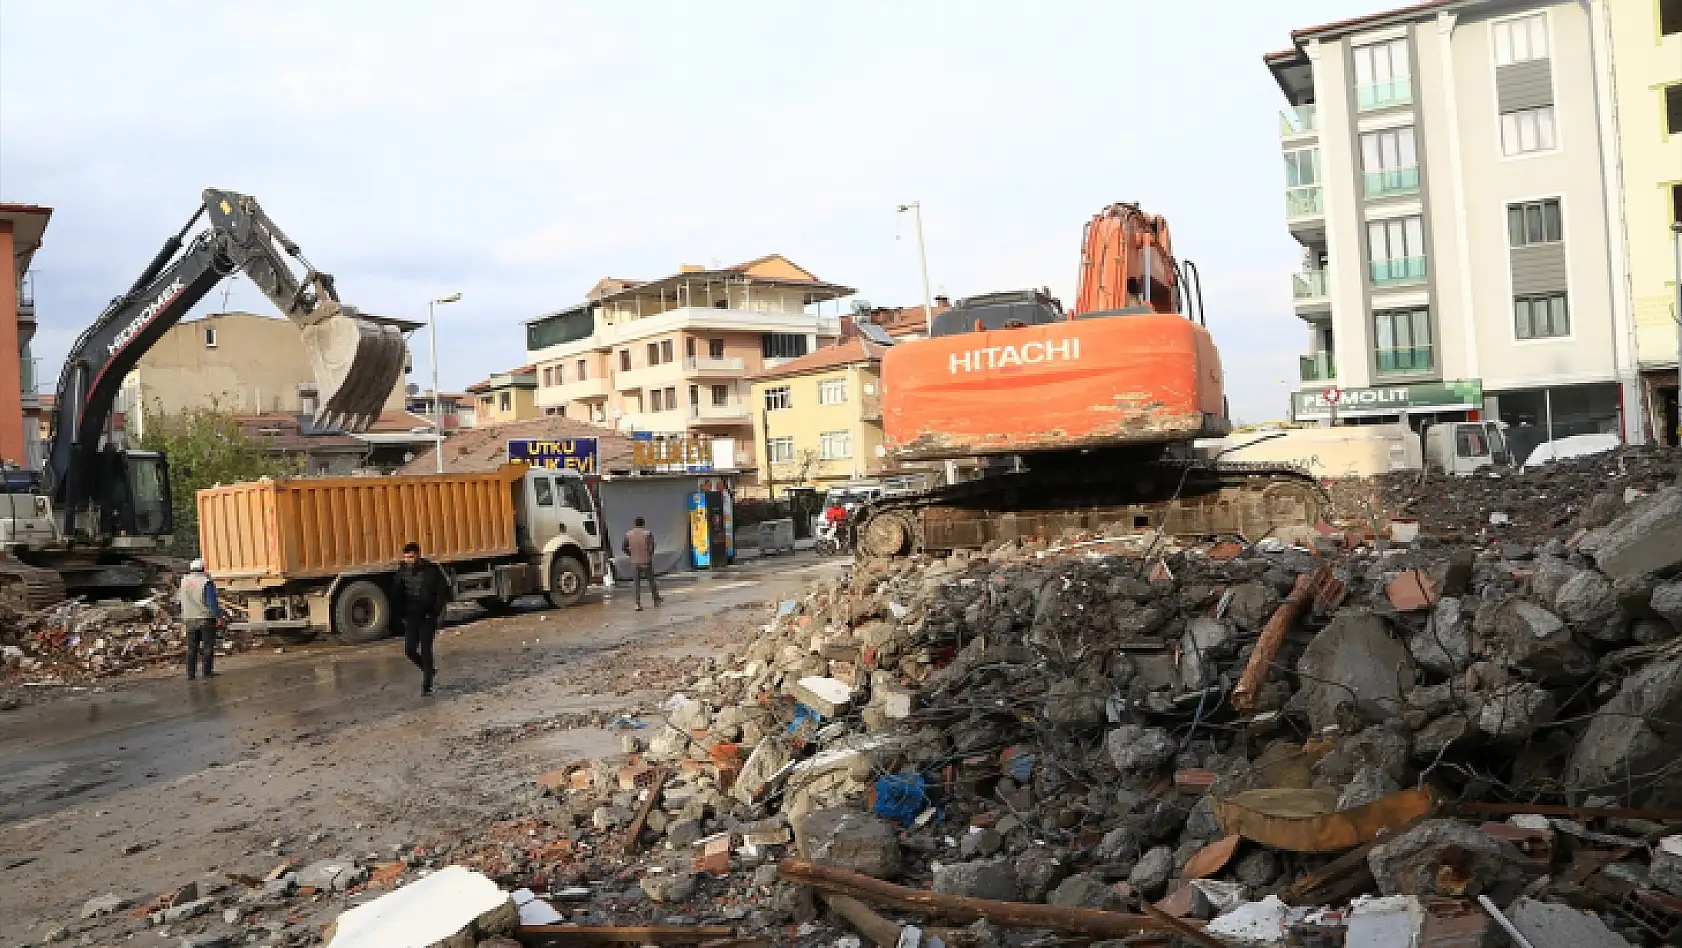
(1090, 415)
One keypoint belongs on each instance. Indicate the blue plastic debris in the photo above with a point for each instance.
(1020, 767)
(802, 716)
(901, 797)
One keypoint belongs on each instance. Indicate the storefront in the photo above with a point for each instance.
(1418, 404)
(1538, 415)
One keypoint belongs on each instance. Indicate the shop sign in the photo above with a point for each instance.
(1461, 394)
(573, 454)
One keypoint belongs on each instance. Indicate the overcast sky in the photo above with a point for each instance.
(518, 151)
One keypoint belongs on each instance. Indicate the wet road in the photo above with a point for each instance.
(77, 748)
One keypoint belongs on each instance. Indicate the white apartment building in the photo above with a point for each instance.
(672, 356)
(1458, 210)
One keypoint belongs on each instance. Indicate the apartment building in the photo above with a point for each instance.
(505, 396)
(244, 363)
(1455, 201)
(673, 355)
(452, 410)
(21, 230)
(1646, 67)
(818, 419)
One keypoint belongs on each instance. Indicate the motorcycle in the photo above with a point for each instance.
(830, 538)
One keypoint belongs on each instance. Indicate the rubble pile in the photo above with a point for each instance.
(77, 640)
(1207, 729)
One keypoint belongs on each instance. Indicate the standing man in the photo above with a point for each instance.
(639, 546)
(418, 596)
(200, 612)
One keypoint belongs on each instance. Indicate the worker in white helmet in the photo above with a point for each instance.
(201, 613)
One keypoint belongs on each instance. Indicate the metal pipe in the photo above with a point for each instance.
(437, 396)
(916, 209)
(1502, 920)
(1676, 243)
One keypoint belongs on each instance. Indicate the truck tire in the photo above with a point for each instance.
(361, 613)
(567, 581)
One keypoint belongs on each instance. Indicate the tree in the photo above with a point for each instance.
(206, 447)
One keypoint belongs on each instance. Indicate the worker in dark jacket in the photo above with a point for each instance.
(418, 597)
(639, 546)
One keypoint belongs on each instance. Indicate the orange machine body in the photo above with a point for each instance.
(1141, 378)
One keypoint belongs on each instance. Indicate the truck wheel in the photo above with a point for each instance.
(567, 581)
(361, 613)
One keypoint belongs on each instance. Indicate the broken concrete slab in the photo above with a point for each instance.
(1141, 754)
(1666, 868)
(1441, 644)
(829, 697)
(847, 839)
(1535, 640)
(1353, 662)
(980, 879)
(1260, 924)
(1150, 876)
(103, 905)
(1586, 599)
(1622, 739)
(1552, 925)
(1085, 890)
(1646, 538)
(1411, 863)
(768, 759)
(431, 911)
(1388, 922)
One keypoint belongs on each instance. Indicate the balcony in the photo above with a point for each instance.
(1303, 202)
(1316, 367)
(706, 366)
(1402, 271)
(1298, 120)
(26, 297)
(1405, 360)
(732, 413)
(1309, 285)
(583, 391)
(1383, 95)
(1392, 182)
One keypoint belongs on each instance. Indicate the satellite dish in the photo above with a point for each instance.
(876, 334)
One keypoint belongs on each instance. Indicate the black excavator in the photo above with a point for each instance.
(89, 521)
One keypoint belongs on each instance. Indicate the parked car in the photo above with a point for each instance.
(1575, 446)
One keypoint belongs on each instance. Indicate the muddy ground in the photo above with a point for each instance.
(138, 786)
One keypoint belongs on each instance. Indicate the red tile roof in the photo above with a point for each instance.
(855, 350)
(486, 448)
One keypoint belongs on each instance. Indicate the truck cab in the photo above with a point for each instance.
(1466, 447)
(559, 529)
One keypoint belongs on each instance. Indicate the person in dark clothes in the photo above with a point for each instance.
(639, 546)
(418, 596)
(200, 612)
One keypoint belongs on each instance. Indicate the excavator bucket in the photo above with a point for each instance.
(357, 363)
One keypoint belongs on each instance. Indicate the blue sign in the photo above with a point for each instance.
(573, 454)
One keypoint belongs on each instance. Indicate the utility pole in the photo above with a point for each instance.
(1676, 244)
(437, 396)
(916, 209)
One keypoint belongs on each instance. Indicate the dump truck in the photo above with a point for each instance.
(311, 556)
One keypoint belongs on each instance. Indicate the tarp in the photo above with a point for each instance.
(664, 503)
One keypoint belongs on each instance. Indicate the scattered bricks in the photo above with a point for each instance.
(580, 779)
(1457, 923)
(826, 696)
(556, 780)
(714, 858)
(1411, 591)
(725, 756)
(1647, 538)
(1194, 782)
(636, 776)
(1225, 551)
(385, 874)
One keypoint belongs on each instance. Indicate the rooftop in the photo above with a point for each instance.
(29, 222)
(1290, 67)
(486, 449)
(853, 351)
(769, 270)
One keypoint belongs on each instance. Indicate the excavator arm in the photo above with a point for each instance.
(356, 361)
(1127, 263)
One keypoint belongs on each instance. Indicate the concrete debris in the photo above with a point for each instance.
(1446, 858)
(435, 910)
(1551, 925)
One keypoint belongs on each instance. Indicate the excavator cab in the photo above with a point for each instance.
(134, 509)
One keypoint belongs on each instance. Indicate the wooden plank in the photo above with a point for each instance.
(632, 835)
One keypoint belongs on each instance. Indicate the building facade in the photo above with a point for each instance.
(21, 229)
(1456, 203)
(674, 355)
(1646, 67)
(243, 363)
(505, 397)
(817, 420)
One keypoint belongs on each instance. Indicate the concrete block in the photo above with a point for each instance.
(1647, 538)
(452, 903)
(1354, 659)
(1554, 925)
(829, 697)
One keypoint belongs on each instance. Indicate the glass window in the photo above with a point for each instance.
(575, 495)
(1388, 149)
(777, 399)
(721, 395)
(689, 347)
(1534, 222)
(505, 402)
(1527, 130)
(548, 376)
(832, 391)
(1469, 442)
(1521, 40)
(1673, 109)
(665, 350)
(783, 345)
(210, 337)
(1670, 17)
(583, 370)
(653, 353)
(656, 400)
(715, 348)
(1381, 62)
(150, 506)
(782, 449)
(835, 444)
(1302, 167)
(624, 360)
(544, 489)
(1396, 239)
(1541, 317)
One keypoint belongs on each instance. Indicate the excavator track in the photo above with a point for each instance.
(1181, 497)
(29, 588)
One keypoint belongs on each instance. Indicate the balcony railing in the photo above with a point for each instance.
(1316, 367)
(702, 365)
(735, 411)
(1382, 95)
(1405, 359)
(1298, 120)
(1392, 181)
(1303, 202)
(26, 290)
(1398, 272)
(1308, 285)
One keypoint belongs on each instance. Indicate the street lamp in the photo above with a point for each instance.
(1676, 243)
(916, 209)
(437, 399)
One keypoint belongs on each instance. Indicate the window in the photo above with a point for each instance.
(1527, 130)
(715, 348)
(776, 399)
(505, 401)
(832, 391)
(1388, 149)
(545, 491)
(665, 350)
(1673, 109)
(210, 337)
(583, 370)
(1670, 17)
(1676, 203)
(624, 360)
(671, 399)
(835, 444)
(721, 396)
(1302, 167)
(575, 495)
(1536, 222)
(548, 376)
(1521, 40)
(694, 396)
(656, 400)
(1541, 317)
(653, 353)
(1469, 442)
(1397, 249)
(689, 347)
(1402, 341)
(1381, 62)
(782, 449)
(783, 345)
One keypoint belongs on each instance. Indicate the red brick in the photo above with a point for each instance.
(1411, 591)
